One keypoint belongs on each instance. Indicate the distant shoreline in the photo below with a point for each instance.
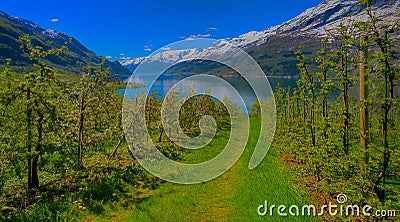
(224, 75)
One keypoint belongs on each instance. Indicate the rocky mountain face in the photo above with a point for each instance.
(72, 61)
(317, 21)
(132, 63)
(274, 47)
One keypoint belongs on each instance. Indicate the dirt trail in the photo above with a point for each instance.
(209, 201)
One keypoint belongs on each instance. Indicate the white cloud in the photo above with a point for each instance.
(204, 35)
(166, 48)
(193, 37)
(108, 57)
(123, 56)
(212, 29)
(147, 48)
(55, 20)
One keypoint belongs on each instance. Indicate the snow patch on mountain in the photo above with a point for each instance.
(317, 21)
(51, 33)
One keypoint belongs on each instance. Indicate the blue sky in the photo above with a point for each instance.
(135, 28)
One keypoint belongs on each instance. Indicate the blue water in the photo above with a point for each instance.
(167, 80)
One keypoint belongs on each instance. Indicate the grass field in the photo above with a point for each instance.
(234, 196)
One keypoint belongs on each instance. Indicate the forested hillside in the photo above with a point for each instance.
(72, 62)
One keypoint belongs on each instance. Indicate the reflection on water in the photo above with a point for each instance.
(166, 81)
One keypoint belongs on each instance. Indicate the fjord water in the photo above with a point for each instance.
(166, 81)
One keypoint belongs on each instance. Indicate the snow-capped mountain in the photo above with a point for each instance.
(329, 14)
(318, 20)
(21, 21)
(131, 63)
(34, 27)
(313, 23)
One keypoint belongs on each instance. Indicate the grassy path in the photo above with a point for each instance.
(234, 196)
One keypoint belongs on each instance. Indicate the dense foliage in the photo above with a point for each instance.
(338, 141)
(56, 137)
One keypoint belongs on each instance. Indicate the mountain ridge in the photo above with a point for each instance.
(73, 61)
(274, 47)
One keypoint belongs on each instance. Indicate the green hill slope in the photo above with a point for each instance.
(72, 62)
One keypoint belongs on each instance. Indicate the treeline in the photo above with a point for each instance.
(59, 138)
(341, 143)
(47, 123)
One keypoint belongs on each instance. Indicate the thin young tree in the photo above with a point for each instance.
(39, 102)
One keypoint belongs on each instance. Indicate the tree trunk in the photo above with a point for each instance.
(345, 138)
(324, 104)
(387, 108)
(312, 118)
(363, 100)
(35, 176)
(160, 137)
(80, 132)
(289, 112)
(29, 135)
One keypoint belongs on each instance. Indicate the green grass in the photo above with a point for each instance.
(234, 196)
(121, 190)
(271, 181)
